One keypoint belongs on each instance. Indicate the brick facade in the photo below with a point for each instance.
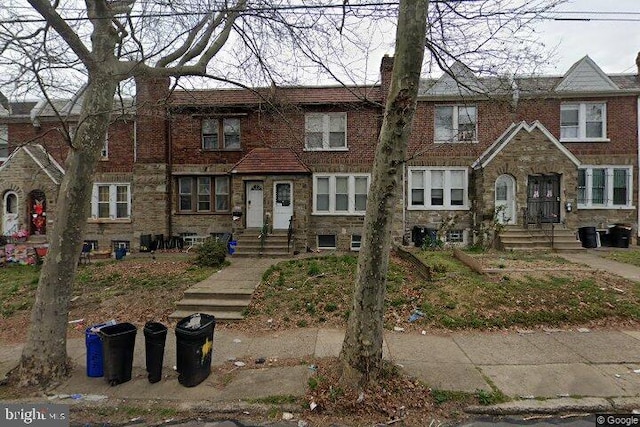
(162, 142)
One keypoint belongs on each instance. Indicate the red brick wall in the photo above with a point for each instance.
(151, 95)
(271, 129)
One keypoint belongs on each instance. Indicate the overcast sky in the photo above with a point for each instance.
(613, 45)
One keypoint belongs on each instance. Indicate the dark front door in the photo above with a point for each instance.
(543, 198)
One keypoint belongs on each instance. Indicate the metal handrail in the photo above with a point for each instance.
(290, 233)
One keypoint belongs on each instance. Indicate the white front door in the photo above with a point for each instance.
(282, 205)
(10, 213)
(255, 204)
(506, 199)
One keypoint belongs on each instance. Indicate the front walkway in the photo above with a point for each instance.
(592, 258)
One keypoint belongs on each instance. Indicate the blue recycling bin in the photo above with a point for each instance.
(94, 352)
(120, 253)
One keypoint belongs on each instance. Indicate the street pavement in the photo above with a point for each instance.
(543, 371)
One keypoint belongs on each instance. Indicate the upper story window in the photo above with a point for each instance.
(326, 131)
(4, 142)
(438, 188)
(221, 134)
(583, 121)
(456, 123)
(340, 194)
(111, 201)
(203, 194)
(605, 187)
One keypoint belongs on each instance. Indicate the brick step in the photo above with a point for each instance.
(250, 254)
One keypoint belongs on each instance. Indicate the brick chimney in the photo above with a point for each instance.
(151, 118)
(386, 67)
(638, 64)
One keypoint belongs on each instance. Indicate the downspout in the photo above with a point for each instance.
(638, 169)
(404, 200)
(169, 160)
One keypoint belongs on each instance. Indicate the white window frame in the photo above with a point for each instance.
(455, 118)
(582, 121)
(113, 189)
(447, 188)
(104, 153)
(4, 140)
(356, 242)
(326, 129)
(351, 210)
(608, 203)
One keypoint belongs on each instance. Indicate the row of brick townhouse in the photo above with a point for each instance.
(550, 149)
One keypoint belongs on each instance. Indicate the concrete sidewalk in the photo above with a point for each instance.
(540, 364)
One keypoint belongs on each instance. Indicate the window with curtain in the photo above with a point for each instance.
(196, 194)
(605, 187)
(342, 194)
(446, 188)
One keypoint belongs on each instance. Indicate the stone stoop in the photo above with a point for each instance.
(227, 305)
(532, 239)
(275, 245)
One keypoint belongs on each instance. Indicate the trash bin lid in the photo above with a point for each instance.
(195, 322)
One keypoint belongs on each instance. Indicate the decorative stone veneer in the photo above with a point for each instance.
(526, 154)
(22, 176)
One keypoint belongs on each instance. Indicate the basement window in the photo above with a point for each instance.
(326, 241)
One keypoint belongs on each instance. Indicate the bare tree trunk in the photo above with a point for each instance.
(44, 357)
(362, 348)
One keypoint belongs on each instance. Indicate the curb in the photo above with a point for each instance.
(560, 405)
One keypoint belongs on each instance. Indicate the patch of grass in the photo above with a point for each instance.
(455, 298)
(443, 396)
(631, 256)
(18, 285)
(490, 397)
(275, 400)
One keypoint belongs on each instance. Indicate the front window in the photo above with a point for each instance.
(455, 124)
(605, 187)
(221, 134)
(437, 188)
(583, 121)
(340, 194)
(326, 131)
(111, 201)
(196, 194)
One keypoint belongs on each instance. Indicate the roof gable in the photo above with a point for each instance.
(508, 135)
(461, 81)
(585, 76)
(270, 161)
(40, 157)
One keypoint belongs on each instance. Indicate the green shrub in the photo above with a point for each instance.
(211, 253)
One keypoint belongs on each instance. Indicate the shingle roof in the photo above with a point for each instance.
(292, 95)
(270, 161)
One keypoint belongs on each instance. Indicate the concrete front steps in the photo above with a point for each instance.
(533, 238)
(227, 305)
(250, 244)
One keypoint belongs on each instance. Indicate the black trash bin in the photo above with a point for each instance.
(118, 342)
(588, 237)
(155, 335)
(620, 235)
(194, 348)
